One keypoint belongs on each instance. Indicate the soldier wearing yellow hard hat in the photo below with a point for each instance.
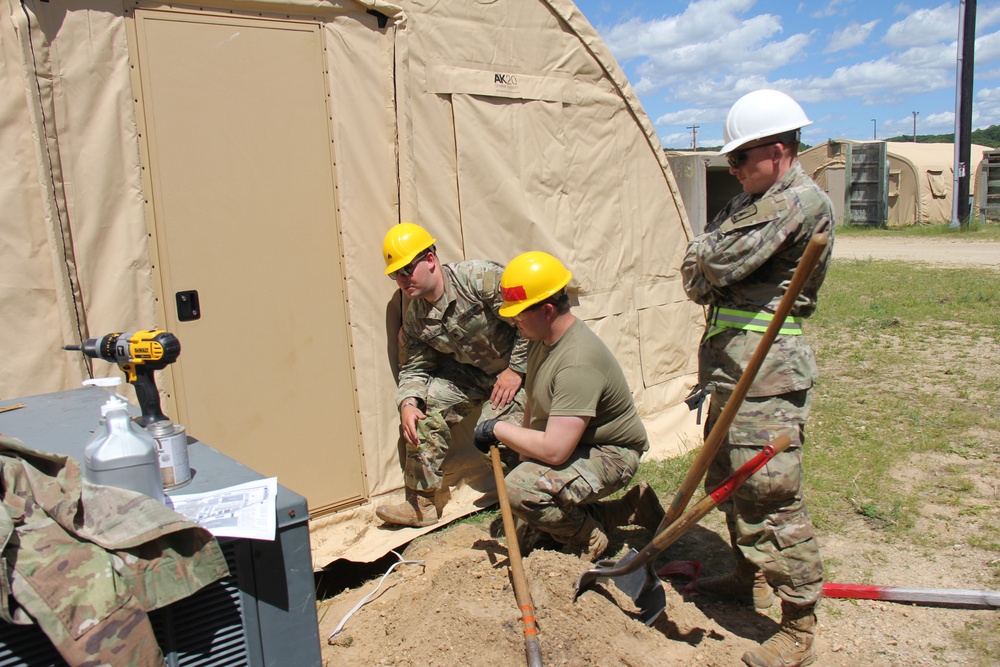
(583, 438)
(459, 354)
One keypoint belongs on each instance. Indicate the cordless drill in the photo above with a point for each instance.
(138, 354)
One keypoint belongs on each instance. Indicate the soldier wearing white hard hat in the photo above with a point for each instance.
(740, 268)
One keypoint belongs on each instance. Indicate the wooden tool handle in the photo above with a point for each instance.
(532, 650)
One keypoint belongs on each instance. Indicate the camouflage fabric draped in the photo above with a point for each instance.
(86, 562)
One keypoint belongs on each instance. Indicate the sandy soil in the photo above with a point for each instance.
(458, 608)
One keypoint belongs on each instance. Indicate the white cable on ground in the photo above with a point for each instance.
(365, 599)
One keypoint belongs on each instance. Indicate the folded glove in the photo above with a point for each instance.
(483, 438)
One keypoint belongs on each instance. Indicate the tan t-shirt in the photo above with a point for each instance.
(579, 377)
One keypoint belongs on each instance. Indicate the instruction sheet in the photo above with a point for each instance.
(245, 510)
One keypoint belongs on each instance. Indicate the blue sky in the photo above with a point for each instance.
(846, 62)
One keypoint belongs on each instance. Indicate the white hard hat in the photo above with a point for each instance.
(762, 113)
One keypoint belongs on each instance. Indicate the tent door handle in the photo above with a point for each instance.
(187, 306)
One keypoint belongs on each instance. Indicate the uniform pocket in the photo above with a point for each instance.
(779, 480)
(790, 528)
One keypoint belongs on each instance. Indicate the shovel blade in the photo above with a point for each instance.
(641, 585)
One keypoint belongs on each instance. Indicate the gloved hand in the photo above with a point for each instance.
(483, 438)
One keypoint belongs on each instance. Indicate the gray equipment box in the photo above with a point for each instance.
(264, 613)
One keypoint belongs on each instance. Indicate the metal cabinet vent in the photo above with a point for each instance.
(207, 629)
(867, 198)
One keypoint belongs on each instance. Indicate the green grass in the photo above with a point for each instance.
(906, 357)
(975, 230)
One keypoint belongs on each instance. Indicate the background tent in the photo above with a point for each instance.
(920, 181)
(705, 184)
(249, 157)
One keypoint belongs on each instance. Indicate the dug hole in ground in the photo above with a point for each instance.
(458, 607)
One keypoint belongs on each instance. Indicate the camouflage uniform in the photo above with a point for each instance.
(86, 562)
(453, 351)
(744, 262)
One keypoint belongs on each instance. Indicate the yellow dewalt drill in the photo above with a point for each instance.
(138, 354)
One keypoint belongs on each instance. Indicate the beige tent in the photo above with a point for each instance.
(920, 179)
(247, 157)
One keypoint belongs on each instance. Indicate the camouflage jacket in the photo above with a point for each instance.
(86, 562)
(745, 260)
(462, 326)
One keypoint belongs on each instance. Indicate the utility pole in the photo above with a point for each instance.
(694, 136)
(963, 112)
(915, 126)
(874, 138)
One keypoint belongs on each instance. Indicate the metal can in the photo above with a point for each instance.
(171, 445)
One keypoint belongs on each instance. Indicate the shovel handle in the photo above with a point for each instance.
(532, 650)
(817, 244)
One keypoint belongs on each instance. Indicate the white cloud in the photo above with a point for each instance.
(636, 38)
(706, 57)
(692, 116)
(935, 123)
(986, 108)
(850, 36)
(985, 17)
(924, 27)
(825, 12)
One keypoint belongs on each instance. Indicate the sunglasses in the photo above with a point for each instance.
(408, 270)
(738, 158)
(520, 317)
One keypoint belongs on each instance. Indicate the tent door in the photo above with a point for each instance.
(236, 141)
(867, 201)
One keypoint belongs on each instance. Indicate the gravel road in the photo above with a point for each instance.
(945, 252)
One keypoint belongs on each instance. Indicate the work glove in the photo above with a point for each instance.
(483, 438)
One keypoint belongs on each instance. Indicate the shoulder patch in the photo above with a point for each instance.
(757, 213)
(744, 213)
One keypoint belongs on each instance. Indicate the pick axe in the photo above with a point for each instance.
(634, 575)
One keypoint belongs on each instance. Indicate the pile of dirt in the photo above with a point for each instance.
(458, 609)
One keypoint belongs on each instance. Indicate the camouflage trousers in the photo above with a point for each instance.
(452, 395)
(554, 499)
(767, 517)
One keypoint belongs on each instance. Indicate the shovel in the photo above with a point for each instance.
(634, 575)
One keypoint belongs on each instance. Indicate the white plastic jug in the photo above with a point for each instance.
(121, 453)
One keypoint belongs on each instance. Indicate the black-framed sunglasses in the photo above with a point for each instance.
(738, 158)
(408, 270)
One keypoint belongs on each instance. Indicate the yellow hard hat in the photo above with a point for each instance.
(403, 243)
(530, 278)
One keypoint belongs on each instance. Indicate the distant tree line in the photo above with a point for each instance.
(989, 136)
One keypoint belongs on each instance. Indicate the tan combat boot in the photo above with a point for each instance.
(418, 510)
(638, 507)
(792, 646)
(745, 584)
(589, 542)
(529, 537)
